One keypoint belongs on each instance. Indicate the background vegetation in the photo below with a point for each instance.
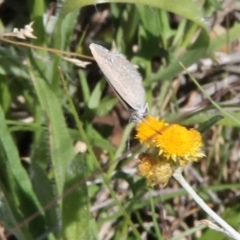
(65, 170)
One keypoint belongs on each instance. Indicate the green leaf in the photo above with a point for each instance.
(127, 21)
(18, 181)
(97, 140)
(192, 55)
(204, 117)
(105, 106)
(60, 142)
(5, 97)
(224, 39)
(37, 12)
(210, 122)
(84, 86)
(45, 193)
(96, 95)
(10, 216)
(191, 9)
(75, 213)
(10, 65)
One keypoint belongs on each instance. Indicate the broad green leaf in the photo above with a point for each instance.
(76, 215)
(45, 193)
(156, 23)
(60, 142)
(186, 8)
(22, 193)
(10, 216)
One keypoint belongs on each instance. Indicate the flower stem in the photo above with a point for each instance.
(230, 231)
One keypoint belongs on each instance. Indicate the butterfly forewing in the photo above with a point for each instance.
(122, 76)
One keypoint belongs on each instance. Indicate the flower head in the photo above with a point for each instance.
(174, 142)
(156, 169)
(180, 144)
(169, 146)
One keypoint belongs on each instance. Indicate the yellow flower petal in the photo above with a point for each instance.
(180, 144)
(148, 129)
